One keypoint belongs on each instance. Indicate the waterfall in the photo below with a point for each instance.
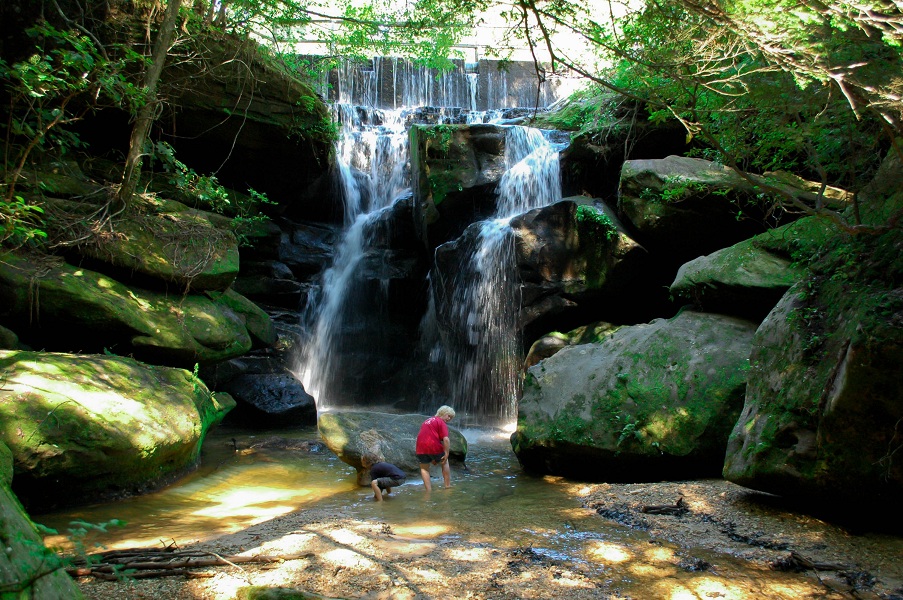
(485, 358)
(371, 156)
(354, 337)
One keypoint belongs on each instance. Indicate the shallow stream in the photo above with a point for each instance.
(252, 479)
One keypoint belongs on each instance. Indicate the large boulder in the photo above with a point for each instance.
(54, 305)
(28, 570)
(683, 207)
(99, 426)
(351, 433)
(823, 417)
(575, 256)
(650, 402)
(748, 278)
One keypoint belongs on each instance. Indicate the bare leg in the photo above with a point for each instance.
(446, 474)
(377, 494)
(425, 475)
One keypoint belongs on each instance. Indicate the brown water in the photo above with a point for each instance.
(233, 490)
(494, 505)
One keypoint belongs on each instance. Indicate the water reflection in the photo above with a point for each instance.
(246, 479)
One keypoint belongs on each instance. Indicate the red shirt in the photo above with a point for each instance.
(429, 440)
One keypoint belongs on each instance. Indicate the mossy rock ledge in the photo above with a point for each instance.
(99, 427)
(650, 402)
(61, 307)
(28, 570)
(750, 277)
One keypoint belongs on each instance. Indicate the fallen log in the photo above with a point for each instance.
(144, 564)
(677, 509)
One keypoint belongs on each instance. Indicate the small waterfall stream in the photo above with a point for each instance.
(487, 288)
(373, 170)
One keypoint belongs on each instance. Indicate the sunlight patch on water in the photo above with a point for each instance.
(607, 552)
(425, 531)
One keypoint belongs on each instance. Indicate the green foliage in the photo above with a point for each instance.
(589, 215)
(589, 112)
(64, 77)
(207, 193)
(50, 559)
(20, 223)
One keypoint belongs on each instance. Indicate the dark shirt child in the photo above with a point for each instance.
(384, 475)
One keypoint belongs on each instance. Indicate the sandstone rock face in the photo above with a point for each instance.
(351, 433)
(99, 426)
(822, 418)
(28, 570)
(61, 307)
(653, 401)
(748, 278)
(455, 170)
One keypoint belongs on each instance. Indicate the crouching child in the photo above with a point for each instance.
(384, 475)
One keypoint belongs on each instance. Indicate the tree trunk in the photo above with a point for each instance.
(145, 117)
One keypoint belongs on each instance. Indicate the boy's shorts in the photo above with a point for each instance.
(430, 458)
(385, 483)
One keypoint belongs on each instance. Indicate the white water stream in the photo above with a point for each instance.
(372, 156)
(487, 295)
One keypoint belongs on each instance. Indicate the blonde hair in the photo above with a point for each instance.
(445, 410)
(368, 459)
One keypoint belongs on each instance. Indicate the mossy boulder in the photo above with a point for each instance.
(683, 207)
(649, 402)
(748, 278)
(155, 241)
(99, 426)
(28, 570)
(351, 433)
(60, 307)
(823, 417)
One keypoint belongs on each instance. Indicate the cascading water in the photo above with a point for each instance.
(372, 161)
(485, 358)
(346, 359)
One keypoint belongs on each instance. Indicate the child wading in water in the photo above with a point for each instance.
(385, 475)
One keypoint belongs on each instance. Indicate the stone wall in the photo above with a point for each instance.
(391, 83)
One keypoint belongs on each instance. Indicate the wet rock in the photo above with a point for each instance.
(270, 400)
(351, 433)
